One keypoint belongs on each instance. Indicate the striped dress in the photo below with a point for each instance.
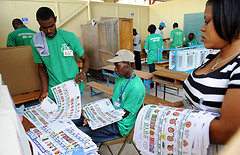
(207, 91)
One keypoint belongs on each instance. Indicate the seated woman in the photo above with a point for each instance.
(191, 41)
(215, 85)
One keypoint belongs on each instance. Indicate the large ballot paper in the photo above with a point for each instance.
(177, 131)
(68, 105)
(101, 113)
(68, 99)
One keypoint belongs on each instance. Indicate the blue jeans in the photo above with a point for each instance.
(151, 69)
(102, 134)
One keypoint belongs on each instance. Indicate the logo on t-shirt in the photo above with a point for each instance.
(64, 47)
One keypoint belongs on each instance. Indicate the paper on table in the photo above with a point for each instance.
(60, 137)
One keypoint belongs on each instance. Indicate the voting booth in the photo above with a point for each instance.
(104, 37)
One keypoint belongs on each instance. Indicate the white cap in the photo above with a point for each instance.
(123, 55)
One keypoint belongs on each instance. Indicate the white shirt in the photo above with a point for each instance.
(137, 40)
(159, 32)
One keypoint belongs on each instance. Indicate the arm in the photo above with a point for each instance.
(10, 41)
(44, 81)
(86, 63)
(222, 129)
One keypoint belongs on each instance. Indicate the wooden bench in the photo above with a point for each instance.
(161, 65)
(17, 99)
(149, 99)
(102, 88)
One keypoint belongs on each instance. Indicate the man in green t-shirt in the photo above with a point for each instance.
(21, 36)
(152, 44)
(128, 94)
(191, 41)
(53, 50)
(176, 37)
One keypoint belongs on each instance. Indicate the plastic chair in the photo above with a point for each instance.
(128, 138)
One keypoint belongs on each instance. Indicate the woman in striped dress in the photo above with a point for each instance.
(215, 85)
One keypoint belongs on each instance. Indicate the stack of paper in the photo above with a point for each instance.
(168, 130)
(54, 132)
(101, 113)
(61, 137)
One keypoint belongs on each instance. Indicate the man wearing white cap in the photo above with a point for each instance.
(160, 30)
(128, 94)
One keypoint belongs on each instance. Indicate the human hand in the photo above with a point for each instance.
(83, 111)
(43, 95)
(85, 121)
(80, 77)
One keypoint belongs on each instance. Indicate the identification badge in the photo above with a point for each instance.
(68, 53)
(117, 104)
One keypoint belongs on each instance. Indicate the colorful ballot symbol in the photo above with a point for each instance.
(188, 124)
(163, 136)
(185, 143)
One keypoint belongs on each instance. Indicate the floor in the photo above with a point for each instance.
(86, 98)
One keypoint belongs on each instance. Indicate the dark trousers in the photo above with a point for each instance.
(138, 60)
(151, 69)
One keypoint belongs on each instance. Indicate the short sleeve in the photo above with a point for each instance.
(146, 44)
(234, 81)
(171, 35)
(136, 39)
(36, 56)
(161, 41)
(76, 45)
(10, 40)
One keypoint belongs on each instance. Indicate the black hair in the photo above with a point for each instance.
(192, 34)
(17, 21)
(151, 28)
(134, 30)
(44, 13)
(175, 25)
(226, 20)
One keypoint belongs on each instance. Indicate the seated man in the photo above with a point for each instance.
(128, 94)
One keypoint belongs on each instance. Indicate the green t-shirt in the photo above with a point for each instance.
(189, 43)
(177, 35)
(20, 37)
(152, 43)
(132, 100)
(60, 68)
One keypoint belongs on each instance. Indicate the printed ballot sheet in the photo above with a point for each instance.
(39, 115)
(68, 105)
(167, 130)
(61, 137)
(68, 99)
(101, 113)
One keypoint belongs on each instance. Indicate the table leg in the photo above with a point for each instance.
(164, 91)
(107, 80)
(156, 89)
